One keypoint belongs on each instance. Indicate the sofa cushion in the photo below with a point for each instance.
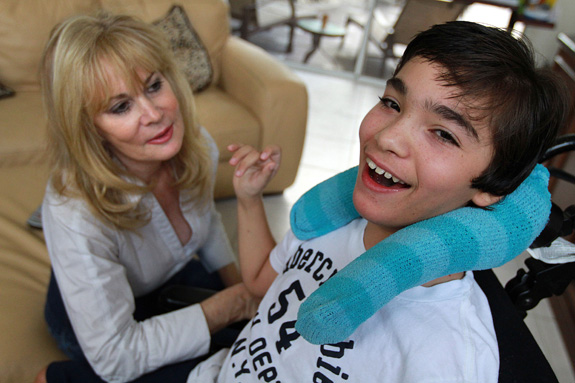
(207, 17)
(227, 120)
(24, 30)
(26, 344)
(188, 48)
(23, 129)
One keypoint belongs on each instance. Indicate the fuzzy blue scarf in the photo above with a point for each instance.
(461, 240)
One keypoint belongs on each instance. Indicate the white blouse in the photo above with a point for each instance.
(100, 270)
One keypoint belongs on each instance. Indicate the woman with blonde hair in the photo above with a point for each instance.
(129, 203)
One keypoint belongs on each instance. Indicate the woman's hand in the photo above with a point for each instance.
(254, 169)
(228, 306)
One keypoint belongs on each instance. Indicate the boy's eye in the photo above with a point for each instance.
(389, 103)
(447, 137)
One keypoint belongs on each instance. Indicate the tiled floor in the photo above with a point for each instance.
(337, 106)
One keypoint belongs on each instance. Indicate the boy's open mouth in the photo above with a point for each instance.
(384, 178)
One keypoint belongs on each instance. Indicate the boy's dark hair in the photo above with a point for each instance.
(526, 106)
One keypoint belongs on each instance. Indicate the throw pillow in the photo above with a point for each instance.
(188, 49)
(5, 91)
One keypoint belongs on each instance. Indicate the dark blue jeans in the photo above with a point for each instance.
(78, 369)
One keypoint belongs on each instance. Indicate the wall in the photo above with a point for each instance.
(545, 40)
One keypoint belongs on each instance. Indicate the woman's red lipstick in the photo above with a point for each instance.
(164, 136)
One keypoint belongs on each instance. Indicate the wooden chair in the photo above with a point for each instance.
(261, 15)
(415, 16)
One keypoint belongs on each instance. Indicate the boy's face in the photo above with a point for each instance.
(419, 152)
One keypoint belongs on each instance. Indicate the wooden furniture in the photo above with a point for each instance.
(415, 16)
(562, 193)
(318, 29)
(513, 5)
(564, 65)
(256, 16)
(261, 16)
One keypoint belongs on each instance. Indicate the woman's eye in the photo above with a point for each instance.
(389, 103)
(120, 108)
(155, 86)
(446, 137)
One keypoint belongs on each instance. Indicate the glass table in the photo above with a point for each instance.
(319, 28)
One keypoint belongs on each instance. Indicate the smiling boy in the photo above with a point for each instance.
(421, 135)
(461, 123)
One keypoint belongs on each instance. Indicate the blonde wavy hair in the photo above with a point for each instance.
(76, 87)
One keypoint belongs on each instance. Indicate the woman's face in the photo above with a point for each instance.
(145, 127)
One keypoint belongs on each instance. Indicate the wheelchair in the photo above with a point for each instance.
(521, 359)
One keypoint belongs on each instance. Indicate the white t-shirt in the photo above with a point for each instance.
(439, 334)
(100, 270)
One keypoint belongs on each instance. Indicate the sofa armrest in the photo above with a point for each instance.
(276, 97)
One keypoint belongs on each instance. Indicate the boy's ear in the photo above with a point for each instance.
(484, 199)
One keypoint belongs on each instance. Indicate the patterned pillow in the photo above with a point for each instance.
(5, 91)
(189, 50)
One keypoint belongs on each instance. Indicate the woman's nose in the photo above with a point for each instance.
(151, 113)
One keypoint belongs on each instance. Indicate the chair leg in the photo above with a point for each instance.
(245, 26)
(349, 20)
(341, 43)
(291, 35)
(315, 47)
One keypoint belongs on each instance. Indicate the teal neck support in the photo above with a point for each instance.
(461, 240)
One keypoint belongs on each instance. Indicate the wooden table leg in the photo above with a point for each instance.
(315, 46)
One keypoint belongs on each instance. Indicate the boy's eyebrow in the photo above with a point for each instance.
(441, 110)
(451, 115)
(398, 85)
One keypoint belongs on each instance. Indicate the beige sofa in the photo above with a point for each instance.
(252, 99)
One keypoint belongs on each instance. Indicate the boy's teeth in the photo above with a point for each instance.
(380, 171)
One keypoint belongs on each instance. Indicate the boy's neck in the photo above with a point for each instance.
(374, 234)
